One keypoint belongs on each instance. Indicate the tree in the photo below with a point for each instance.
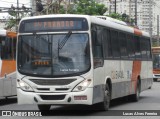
(11, 21)
(116, 16)
(89, 7)
(15, 16)
(124, 17)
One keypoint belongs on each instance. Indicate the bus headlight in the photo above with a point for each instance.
(82, 86)
(24, 86)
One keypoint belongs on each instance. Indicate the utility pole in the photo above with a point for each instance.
(18, 8)
(33, 6)
(115, 3)
(129, 8)
(150, 19)
(136, 12)
(109, 7)
(158, 30)
(17, 15)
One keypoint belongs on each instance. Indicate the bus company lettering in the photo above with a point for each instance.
(117, 74)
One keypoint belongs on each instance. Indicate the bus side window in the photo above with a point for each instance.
(149, 56)
(123, 45)
(130, 46)
(8, 49)
(2, 39)
(143, 42)
(115, 44)
(97, 47)
(107, 49)
(14, 48)
(137, 47)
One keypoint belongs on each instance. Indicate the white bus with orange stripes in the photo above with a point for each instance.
(80, 59)
(156, 63)
(7, 63)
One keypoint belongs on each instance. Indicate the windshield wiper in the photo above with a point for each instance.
(63, 42)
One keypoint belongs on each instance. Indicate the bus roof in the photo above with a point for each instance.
(10, 34)
(156, 47)
(155, 50)
(112, 20)
(2, 32)
(111, 23)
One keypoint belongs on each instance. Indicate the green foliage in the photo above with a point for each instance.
(116, 16)
(88, 7)
(123, 17)
(13, 20)
(10, 24)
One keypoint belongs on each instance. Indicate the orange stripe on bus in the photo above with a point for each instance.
(136, 69)
(137, 32)
(8, 66)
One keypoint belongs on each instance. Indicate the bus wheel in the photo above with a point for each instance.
(44, 107)
(104, 106)
(135, 97)
(155, 79)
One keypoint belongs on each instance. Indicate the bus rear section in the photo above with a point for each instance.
(156, 63)
(7, 63)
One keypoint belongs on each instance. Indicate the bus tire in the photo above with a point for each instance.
(155, 79)
(44, 107)
(104, 106)
(135, 97)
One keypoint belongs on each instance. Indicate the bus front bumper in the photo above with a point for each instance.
(83, 97)
(156, 76)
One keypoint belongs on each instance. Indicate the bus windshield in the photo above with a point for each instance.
(52, 55)
(156, 61)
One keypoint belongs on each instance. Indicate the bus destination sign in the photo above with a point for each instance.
(54, 24)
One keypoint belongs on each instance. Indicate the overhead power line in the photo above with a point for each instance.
(28, 3)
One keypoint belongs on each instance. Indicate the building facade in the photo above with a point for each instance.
(144, 7)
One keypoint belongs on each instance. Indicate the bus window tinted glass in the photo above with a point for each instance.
(107, 44)
(7, 48)
(115, 44)
(143, 48)
(148, 48)
(137, 47)
(131, 46)
(123, 45)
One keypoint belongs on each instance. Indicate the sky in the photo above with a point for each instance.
(8, 3)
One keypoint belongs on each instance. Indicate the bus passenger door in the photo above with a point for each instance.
(98, 64)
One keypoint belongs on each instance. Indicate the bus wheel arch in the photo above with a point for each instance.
(139, 82)
(135, 97)
(104, 105)
(108, 81)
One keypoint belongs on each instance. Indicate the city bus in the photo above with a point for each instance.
(80, 59)
(8, 63)
(156, 63)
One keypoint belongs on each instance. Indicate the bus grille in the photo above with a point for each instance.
(52, 81)
(52, 97)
